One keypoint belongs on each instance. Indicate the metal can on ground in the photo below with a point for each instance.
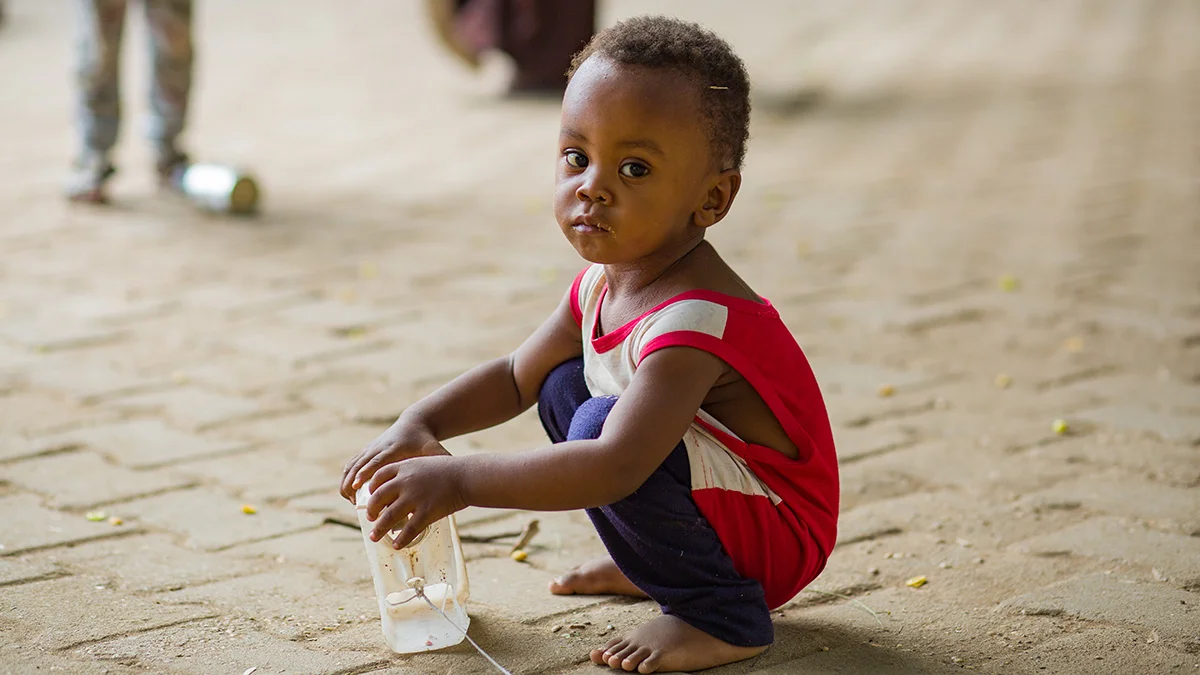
(218, 188)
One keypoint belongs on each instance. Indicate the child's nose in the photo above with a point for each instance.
(590, 190)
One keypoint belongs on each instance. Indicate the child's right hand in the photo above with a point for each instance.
(401, 441)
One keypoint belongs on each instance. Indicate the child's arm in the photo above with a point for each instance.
(644, 426)
(487, 395)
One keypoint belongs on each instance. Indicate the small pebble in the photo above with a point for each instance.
(114, 521)
(873, 571)
(555, 628)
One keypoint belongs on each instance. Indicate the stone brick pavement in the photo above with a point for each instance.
(991, 208)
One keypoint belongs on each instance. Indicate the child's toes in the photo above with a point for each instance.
(650, 664)
(616, 659)
(600, 656)
(632, 661)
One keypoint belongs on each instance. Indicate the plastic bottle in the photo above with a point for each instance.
(432, 564)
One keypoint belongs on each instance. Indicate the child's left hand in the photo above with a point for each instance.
(428, 488)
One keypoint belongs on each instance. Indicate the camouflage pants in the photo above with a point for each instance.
(101, 23)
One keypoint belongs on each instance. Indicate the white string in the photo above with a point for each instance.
(419, 588)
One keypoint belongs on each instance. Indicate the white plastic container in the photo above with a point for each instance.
(433, 562)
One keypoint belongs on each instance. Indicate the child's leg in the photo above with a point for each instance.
(170, 27)
(562, 393)
(97, 71)
(656, 536)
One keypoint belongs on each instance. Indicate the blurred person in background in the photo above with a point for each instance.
(98, 64)
(540, 36)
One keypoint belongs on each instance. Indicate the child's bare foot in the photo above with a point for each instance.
(668, 644)
(595, 577)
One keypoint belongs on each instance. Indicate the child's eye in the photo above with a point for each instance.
(577, 160)
(634, 170)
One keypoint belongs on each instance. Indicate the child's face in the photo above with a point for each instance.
(634, 162)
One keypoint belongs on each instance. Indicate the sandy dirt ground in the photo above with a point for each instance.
(988, 210)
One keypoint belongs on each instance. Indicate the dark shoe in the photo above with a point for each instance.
(88, 178)
(168, 166)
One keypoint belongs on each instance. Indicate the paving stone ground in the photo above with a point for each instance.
(990, 208)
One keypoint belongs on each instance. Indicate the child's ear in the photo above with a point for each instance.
(719, 198)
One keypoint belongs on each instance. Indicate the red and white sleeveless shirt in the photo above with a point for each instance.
(776, 516)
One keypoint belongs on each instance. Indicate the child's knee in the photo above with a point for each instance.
(564, 381)
(588, 421)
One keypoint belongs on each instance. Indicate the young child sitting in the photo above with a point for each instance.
(683, 415)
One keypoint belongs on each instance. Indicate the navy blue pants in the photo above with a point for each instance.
(656, 535)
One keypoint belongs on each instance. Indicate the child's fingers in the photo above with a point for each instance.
(363, 475)
(384, 492)
(347, 489)
(368, 469)
(379, 476)
(348, 476)
(414, 525)
(375, 471)
(393, 515)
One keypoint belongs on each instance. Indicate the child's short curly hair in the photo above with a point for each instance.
(698, 54)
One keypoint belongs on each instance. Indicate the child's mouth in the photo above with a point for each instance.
(589, 226)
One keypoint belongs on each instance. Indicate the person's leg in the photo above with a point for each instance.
(563, 392)
(97, 71)
(662, 545)
(561, 395)
(169, 23)
(661, 542)
(541, 36)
